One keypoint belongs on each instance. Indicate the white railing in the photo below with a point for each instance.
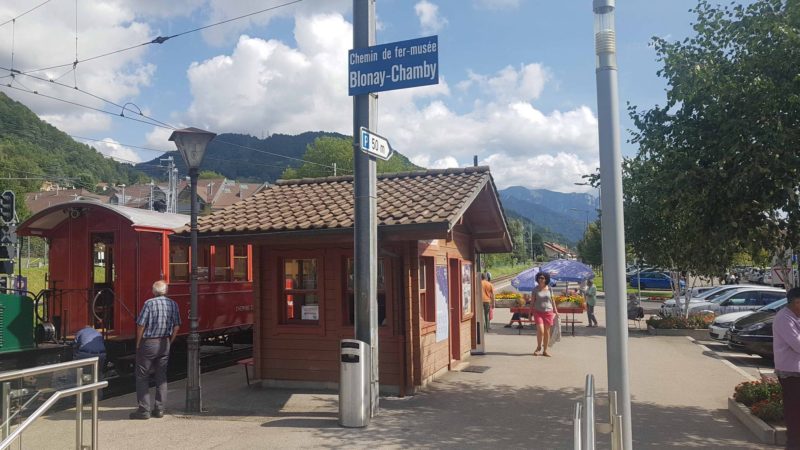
(6, 394)
(583, 422)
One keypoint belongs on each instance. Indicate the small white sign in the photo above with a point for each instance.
(375, 145)
(310, 312)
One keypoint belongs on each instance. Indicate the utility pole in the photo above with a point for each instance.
(530, 232)
(613, 232)
(365, 193)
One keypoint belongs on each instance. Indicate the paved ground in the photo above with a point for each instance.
(521, 401)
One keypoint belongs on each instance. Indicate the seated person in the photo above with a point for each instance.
(524, 301)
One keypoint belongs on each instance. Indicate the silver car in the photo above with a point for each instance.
(719, 328)
(669, 307)
(739, 300)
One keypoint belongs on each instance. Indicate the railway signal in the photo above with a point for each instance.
(7, 206)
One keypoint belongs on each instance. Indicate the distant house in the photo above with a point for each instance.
(217, 193)
(557, 251)
(37, 201)
(139, 196)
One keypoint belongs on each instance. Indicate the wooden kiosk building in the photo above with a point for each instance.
(431, 225)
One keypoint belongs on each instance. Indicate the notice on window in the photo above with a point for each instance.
(442, 316)
(310, 312)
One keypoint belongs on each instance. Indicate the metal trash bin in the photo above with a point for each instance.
(354, 383)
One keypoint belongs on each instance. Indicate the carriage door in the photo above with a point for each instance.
(101, 296)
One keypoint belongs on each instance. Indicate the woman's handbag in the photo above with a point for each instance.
(555, 331)
(491, 313)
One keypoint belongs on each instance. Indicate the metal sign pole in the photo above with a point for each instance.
(364, 195)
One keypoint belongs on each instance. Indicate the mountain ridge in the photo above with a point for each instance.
(562, 213)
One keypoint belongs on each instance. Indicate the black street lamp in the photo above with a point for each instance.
(191, 143)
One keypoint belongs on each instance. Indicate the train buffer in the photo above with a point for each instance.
(247, 362)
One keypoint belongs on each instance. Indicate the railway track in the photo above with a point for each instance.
(211, 358)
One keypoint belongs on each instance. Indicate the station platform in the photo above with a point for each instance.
(519, 401)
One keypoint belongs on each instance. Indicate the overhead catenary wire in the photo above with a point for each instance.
(26, 12)
(244, 147)
(122, 108)
(111, 113)
(162, 39)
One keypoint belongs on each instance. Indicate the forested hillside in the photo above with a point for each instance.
(248, 158)
(33, 151)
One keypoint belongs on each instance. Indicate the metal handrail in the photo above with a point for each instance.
(47, 405)
(576, 427)
(31, 371)
(9, 437)
(588, 408)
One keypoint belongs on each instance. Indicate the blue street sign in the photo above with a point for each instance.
(396, 65)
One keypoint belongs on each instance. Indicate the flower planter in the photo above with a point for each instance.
(700, 334)
(765, 432)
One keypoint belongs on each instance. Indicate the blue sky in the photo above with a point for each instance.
(517, 83)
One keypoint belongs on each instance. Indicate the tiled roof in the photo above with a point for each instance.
(408, 198)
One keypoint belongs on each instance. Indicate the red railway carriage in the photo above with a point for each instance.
(104, 259)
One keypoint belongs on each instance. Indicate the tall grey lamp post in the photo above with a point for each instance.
(191, 143)
(613, 235)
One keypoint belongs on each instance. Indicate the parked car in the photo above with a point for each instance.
(743, 299)
(755, 275)
(668, 307)
(654, 280)
(753, 334)
(719, 328)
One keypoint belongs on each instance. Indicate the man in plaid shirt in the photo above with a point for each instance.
(156, 328)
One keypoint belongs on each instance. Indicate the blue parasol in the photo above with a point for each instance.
(559, 270)
(526, 279)
(568, 270)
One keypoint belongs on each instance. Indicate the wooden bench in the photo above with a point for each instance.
(247, 362)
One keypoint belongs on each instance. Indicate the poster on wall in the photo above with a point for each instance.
(442, 316)
(466, 287)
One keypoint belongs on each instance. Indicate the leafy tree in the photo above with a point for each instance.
(209, 175)
(590, 248)
(717, 170)
(328, 150)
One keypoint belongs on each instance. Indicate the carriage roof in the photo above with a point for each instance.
(141, 219)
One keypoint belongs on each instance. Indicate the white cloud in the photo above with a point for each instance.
(158, 139)
(115, 150)
(557, 172)
(509, 84)
(428, 14)
(496, 5)
(220, 10)
(46, 38)
(271, 85)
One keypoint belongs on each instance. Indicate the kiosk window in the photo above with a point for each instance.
(300, 299)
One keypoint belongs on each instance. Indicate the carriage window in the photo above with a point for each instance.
(203, 259)
(300, 299)
(350, 293)
(178, 263)
(222, 263)
(240, 263)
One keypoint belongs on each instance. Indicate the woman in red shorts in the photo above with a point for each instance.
(544, 311)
